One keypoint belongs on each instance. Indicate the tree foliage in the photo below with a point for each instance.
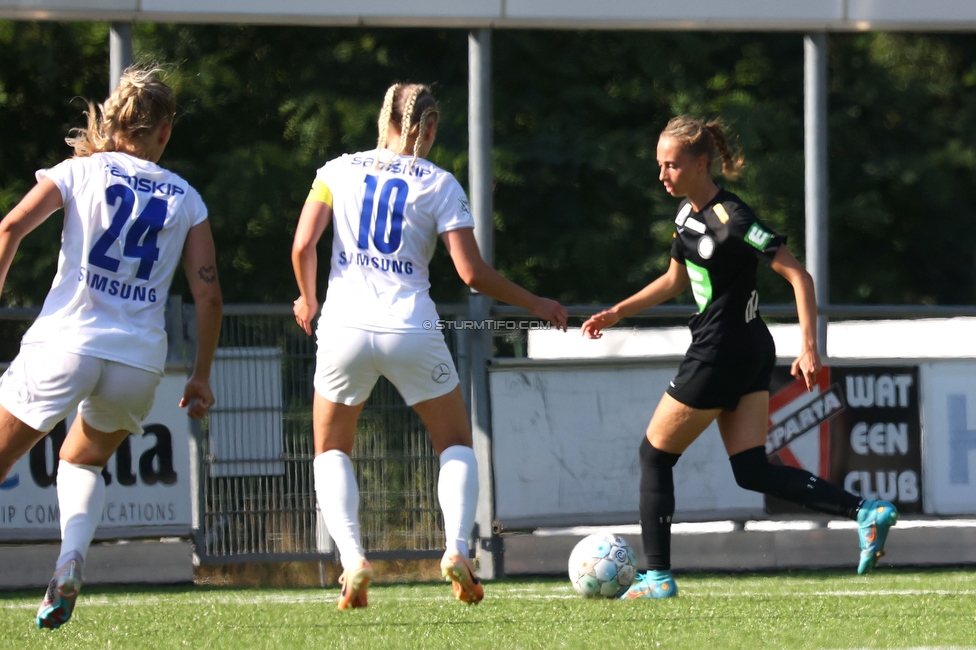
(579, 212)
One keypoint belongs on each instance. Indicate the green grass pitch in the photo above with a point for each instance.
(809, 609)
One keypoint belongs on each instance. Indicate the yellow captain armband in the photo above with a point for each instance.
(320, 192)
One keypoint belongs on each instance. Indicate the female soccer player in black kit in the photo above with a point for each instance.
(725, 375)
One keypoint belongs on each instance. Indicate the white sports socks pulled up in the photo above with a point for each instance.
(338, 498)
(457, 491)
(81, 499)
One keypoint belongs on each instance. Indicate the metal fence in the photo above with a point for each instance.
(257, 499)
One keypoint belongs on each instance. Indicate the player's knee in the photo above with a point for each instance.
(442, 443)
(751, 469)
(651, 456)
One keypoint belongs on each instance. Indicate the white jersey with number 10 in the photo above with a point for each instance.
(387, 221)
(125, 223)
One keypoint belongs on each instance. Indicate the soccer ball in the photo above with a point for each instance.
(602, 566)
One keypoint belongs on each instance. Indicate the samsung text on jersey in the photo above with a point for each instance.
(381, 263)
(123, 290)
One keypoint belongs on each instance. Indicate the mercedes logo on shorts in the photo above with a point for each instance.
(15, 385)
(441, 373)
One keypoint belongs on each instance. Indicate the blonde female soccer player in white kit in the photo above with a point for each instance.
(99, 347)
(388, 207)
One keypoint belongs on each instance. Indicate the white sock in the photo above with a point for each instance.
(457, 491)
(81, 498)
(338, 498)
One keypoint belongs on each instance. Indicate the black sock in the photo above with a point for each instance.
(753, 471)
(656, 504)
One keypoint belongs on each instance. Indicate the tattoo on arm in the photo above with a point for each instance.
(208, 274)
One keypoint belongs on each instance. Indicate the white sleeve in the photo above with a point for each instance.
(195, 207)
(331, 172)
(322, 174)
(66, 175)
(453, 211)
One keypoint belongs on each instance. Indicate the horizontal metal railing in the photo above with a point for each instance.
(773, 310)
(660, 311)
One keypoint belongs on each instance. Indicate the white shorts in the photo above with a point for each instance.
(350, 360)
(43, 386)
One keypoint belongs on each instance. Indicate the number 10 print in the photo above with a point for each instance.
(384, 216)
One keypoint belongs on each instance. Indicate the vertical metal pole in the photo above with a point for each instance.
(199, 472)
(462, 346)
(120, 52)
(480, 165)
(480, 178)
(815, 176)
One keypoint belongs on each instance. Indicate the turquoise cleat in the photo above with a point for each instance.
(874, 519)
(59, 600)
(653, 584)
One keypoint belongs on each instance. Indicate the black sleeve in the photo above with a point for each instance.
(677, 253)
(745, 226)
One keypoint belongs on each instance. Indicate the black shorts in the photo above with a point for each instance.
(720, 384)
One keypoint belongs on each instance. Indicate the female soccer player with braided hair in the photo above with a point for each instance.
(726, 372)
(389, 206)
(99, 345)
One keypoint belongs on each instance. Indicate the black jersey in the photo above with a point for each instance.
(721, 247)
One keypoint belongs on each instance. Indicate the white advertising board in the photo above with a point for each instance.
(147, 480)
(949, 437)
(566, 434)
(924, 339)
(565, 444)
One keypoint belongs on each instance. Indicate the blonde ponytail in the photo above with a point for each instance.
(705, 139)
(731, 163)
(139, 104)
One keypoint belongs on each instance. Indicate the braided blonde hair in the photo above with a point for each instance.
(699, 138)
(385, 113)
(407, 108)
(140, 103)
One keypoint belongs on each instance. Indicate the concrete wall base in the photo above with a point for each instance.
(759, 550)
(152, 562)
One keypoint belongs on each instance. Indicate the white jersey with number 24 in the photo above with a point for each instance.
(125, 223)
